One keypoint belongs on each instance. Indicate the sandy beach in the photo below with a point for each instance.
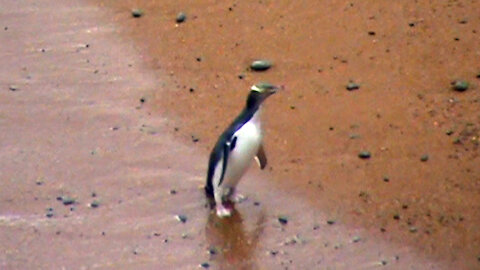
(106, 123)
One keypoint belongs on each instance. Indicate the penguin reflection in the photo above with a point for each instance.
(231, 245)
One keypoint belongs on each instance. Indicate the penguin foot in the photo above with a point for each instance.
(222, 211)
(238, 198)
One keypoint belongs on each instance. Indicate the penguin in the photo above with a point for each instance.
(235, 149)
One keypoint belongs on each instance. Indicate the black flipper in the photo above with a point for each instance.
(261, 157)
(226, 151)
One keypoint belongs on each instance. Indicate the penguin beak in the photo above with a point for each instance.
(272, 90)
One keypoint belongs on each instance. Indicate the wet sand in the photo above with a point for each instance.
(76, 126)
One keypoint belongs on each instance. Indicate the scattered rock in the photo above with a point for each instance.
(283, 220)
(181, 17)
(352, 86)
(260, 65)
(49, 213)
(213, 250)
(356, 239)
(95, 204)
(13, 87)
(449, 132)
(331, 221)
(364, 154)
(241, 76)
(137, 13)
(424, 158)
(460, 85)
(413, 229)
(371, 33)
(181, 218)
(173, 191)
(205, 265)
(386, 178)
(195, 139)
(66, 200)
(142, 100)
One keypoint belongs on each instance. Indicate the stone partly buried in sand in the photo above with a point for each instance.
(261, 65)
(364, 154)
(181, 17)
(352, 86)
(460, 85)
(137, 12)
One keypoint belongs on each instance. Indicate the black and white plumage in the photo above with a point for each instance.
(234, 151)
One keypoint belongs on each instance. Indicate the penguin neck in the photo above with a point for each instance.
(256, 116)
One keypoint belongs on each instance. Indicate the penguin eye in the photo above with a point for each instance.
(233, 143)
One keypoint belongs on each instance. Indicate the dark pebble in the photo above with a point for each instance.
(460, 85)
(13, 88)
(191, 90)
(352, 86)
(330, 222)
(260, 65)
(241, 76)
(137, 13)
(396, 216)
(478, 75)
(449, 132)
(94, 194)
(181, 17)
(386, 179)
(199, 59)
(424, 158)
(181, 218)
(142, 100)
(68, 200)
(95, 204)
(173, 191)
(195, 139)
(212, 251)
(371, 33)
(283, 220)
(49, 213)
(364, 154)
(205, 265)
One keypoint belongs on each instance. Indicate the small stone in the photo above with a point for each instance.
(142, 100)
(413, 229)
(260, 65)
(283, 220)
(386, 178)
(181, 218)
(205, 265)
(173, 192)
(137, 13)
(13, 87)
(212, 251)
(371, 33)
(49, 213)
(424, 158)
(330, 222)
(68, 200)
(195, 139)
(352, 86)
(181, 17)
(95, 204)
(460, 85)
(241, 76)
(356, 239)
(364, 154)
(449, 132)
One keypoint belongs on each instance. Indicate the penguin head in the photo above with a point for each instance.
(259, 92)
